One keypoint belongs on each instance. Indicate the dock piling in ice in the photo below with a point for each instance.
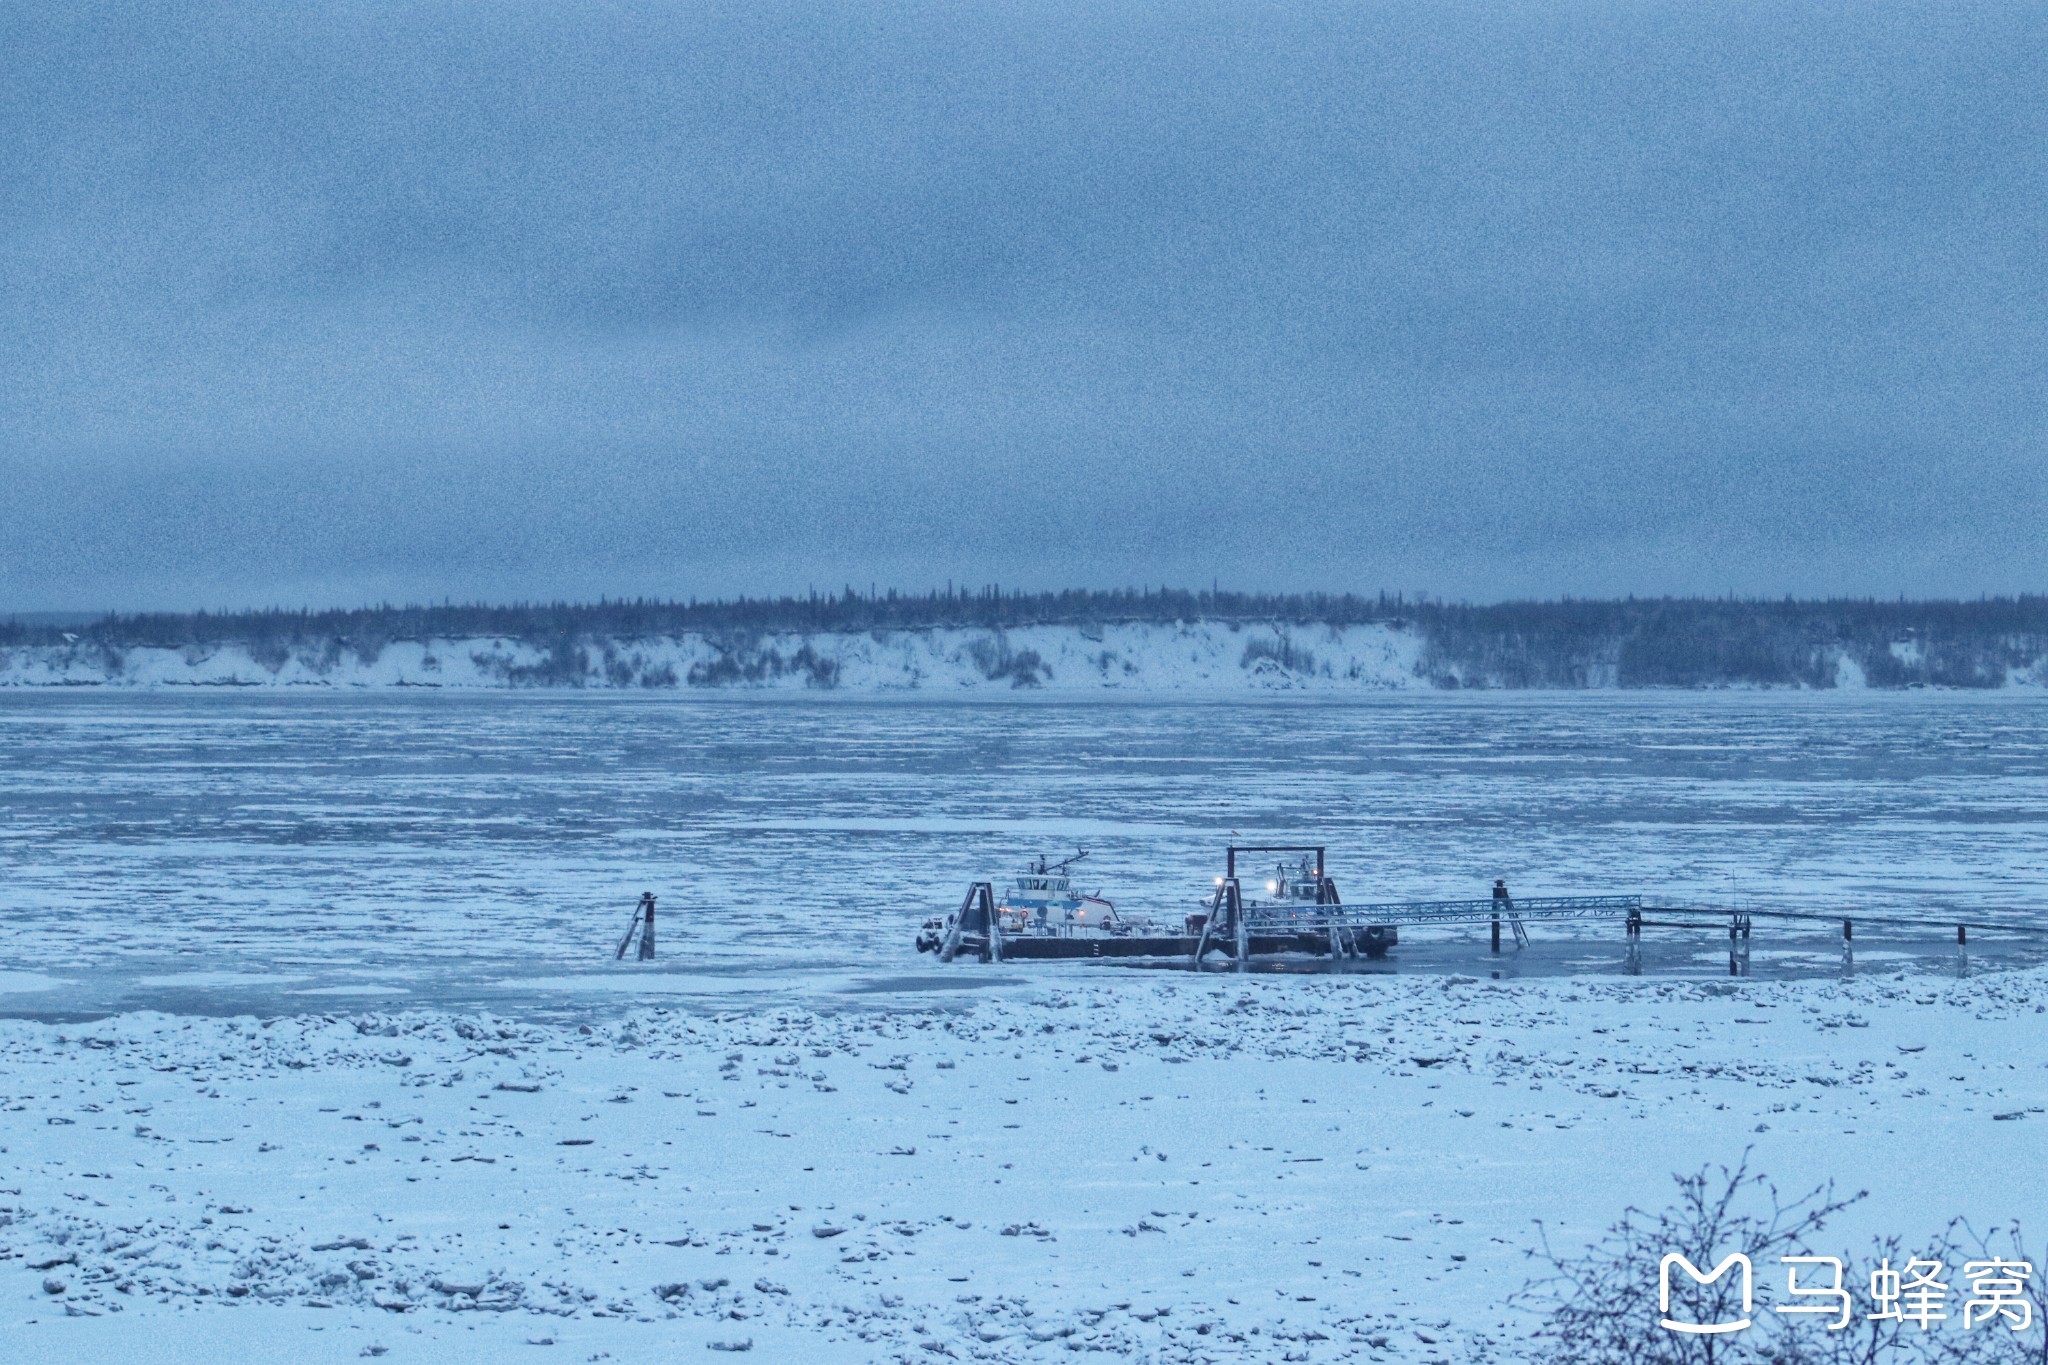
(976, 919)
(643, 925)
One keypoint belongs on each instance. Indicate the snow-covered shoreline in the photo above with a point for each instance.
(1203, 656)
(1193, 658)
(1205, 1168)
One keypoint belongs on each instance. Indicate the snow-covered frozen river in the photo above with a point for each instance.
(226, 852)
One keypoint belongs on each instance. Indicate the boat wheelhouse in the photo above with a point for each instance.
(1041, 899)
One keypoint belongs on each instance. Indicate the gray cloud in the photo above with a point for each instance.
(319, 303)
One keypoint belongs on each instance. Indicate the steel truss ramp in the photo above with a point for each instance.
(1314, 918)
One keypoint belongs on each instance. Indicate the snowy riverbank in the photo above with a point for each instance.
(1202, 657)
(1164, 1167)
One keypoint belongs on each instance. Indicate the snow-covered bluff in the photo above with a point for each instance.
(1210, 657)
(1205, 656)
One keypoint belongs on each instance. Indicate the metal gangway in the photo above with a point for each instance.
(1513, 911)
(1233, 922)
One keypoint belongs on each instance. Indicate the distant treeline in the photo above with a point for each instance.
(816, 613)
(1635, 642)
(1693, 642)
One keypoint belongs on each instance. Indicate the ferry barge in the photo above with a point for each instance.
(1041, 917)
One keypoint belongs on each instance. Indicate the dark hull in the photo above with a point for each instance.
(1374, 944)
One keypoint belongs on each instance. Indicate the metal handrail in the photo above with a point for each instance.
(1850, 915)
(1306, 917)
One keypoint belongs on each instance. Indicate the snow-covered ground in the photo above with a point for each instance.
(1197, 657)
(1194, 658)
(1179, 1168)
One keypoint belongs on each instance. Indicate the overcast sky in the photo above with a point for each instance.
(307, 304)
